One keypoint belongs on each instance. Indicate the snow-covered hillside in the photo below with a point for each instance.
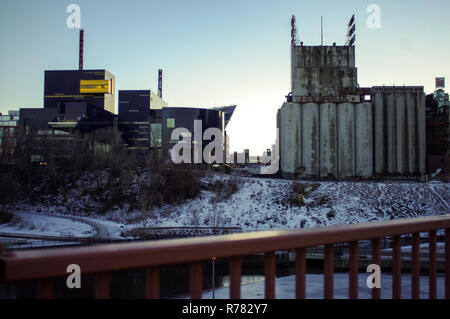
(261, 204)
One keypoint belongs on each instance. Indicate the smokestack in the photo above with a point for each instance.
(81, 49)
(160, 83)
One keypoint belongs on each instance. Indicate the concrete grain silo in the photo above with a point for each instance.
(331, 128)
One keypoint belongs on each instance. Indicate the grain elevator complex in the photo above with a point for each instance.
(330, 127)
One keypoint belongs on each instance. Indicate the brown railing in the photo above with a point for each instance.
(46, 265)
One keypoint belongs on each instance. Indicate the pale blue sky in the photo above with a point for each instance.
(216, 52)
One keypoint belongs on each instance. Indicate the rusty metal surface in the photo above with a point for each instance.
(396, 268)
(270, 268)
(195, 280)
(45, 289)
(328, 272)
(376, 259)
(102, 285)
(37, 264)
(432, 266)
(415, 268)
(300, 273)
(152, 283)
(353, 270)
(447, 263)
(235, 277)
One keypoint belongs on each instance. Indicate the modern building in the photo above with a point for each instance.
(76, 104)
(227, 112)
(44, 130)
(185, 117)
(437, 135)
(441, 97)
(94, 87)
(9, 131)
(140, 114)
(331, 128)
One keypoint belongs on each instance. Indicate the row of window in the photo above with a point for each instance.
(8, 123)
(9, 118)
(7, 131)
(169, 124)
(9, 142)
(52, 132)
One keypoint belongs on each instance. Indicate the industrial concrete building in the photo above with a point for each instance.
(331, 128)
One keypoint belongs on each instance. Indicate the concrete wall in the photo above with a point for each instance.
(322, 70)
(346, 139)
(421, 129)
(364, 139)
(328, 139)
(310, 139)
(391, 139)
(379, 133)
(320, 140)
(399, 130)
(401, 133)
(290, 137)
(385, 136)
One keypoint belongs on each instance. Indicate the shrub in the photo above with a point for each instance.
(8, 192)
(178, 185)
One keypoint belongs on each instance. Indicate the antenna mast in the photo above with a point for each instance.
(351, 36)
(321, 30)
(81, 48)
(160, 83)
(294, 40)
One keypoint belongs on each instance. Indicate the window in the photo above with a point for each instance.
(45, 132)
(36, 158)
(58, 132)
(155, 135)
(170, 123)
(1, 132)
(155, 114)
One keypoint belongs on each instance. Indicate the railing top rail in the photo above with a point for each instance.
(36, 264)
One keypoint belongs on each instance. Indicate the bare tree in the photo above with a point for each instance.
(8, 193)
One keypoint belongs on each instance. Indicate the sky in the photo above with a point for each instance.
(217, 53)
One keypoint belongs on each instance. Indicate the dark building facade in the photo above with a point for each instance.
(437, 137)
(184, 117)
(95, 87)
(140, 113)
(76, 104)
(227, 112)
(49, 129)
(9, 131)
